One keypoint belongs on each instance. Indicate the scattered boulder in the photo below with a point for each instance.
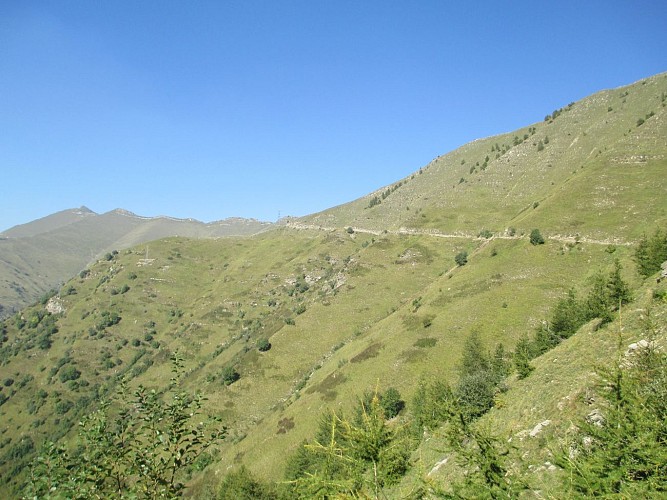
(437, 466)
(642, 344)
(595, 417)
(635, 349)
(55, 306)
(548, 466)
(539, 427)
(663, 272)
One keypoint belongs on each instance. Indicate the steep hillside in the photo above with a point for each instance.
(539, 419)
(363, 297)
(589, 168)
(41, 255)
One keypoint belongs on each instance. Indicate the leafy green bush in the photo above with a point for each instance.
(63, 406)
(242, 485)
(21, 449)
(300, 309)
(391, 402)
(139, 449)
(263, 345)
(69, 372)
(461, 258)
(475, 393)
(229, 375)
(107, 319)
(536, 237)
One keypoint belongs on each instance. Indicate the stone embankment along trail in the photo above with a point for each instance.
(459, 234)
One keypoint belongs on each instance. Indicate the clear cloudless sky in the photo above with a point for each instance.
(212, 109)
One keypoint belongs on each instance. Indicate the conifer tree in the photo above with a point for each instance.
(356, 458)
(474, 358)
(476, 388)
(625, 454)
(598, 300)
(568, 315)
(522, 358)
(651, 253)
(619, 292)
(484, 458)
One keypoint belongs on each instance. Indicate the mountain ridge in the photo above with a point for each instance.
(36, 226)
(40, 255)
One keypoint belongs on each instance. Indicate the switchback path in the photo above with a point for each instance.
(459, 234)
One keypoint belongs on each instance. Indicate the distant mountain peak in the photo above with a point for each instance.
(83, 210)
(122, 211)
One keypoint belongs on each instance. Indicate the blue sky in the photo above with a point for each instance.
(258, 108)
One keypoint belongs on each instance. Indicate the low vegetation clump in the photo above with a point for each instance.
(536, 237)
(461, 258)
(263, 345)
(229, 375)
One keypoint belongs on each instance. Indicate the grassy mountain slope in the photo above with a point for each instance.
(591, 161)
(539, 416)
(349, 310)
(42, 254)
(398, 350)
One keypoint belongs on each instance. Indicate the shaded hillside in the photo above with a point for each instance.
(278, 328)
(40, 255)
(48, 223)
